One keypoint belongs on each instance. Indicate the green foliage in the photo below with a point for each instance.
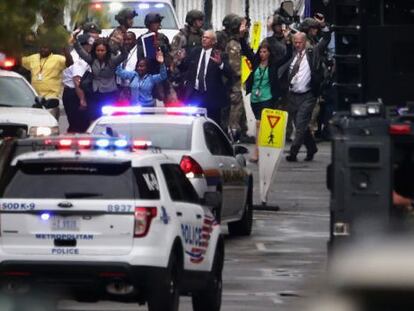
(20, 29)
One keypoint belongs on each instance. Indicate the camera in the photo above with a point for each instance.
(372, 158)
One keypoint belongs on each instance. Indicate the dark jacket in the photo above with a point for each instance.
(315, 56)
(273, 68)
(214, 75)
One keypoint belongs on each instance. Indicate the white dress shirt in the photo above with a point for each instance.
(208, 54)
(301, 81)
(68, 72)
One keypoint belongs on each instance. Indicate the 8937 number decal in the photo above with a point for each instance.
(119, 208)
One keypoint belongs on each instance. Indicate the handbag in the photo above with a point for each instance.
(86, 82)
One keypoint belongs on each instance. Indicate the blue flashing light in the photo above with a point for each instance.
(121, 143)
(45, 216)
(102, 143)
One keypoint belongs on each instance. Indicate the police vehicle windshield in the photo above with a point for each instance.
(37, 179)
(166, 136)
(15, 93)
(108, 10)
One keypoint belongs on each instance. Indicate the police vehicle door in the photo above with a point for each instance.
(222, 151)
(190, 214)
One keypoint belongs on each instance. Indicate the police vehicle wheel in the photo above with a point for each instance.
(164, 296)
(209, 299)
(243, 227)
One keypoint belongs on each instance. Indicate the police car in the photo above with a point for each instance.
(103, 219)
(202, 149)
(22, 112)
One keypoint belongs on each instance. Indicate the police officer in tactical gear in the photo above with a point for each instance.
(229, 41)
(125, 18)
(184, 42)
(311, 27)
(163, 91)
(92, 29)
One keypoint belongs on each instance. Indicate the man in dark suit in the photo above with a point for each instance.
(305, 78)
(204, 71)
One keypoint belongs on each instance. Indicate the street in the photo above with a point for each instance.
(281, 263)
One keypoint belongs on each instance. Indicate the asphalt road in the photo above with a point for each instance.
(281, 264)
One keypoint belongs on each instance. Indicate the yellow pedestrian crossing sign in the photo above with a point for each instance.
(272, 128)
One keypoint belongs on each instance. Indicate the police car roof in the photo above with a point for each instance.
(137, 158)
(149, 118)
(7, 73)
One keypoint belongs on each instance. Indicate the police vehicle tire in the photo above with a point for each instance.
(209, 299)
(165, 296)
(243, 227)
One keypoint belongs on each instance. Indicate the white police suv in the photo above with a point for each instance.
(97, 218)
(200, 146)
(22, 112)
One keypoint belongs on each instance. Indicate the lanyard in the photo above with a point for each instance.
(262, 73)
(42, 65)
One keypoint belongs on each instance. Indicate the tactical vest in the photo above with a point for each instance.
(192, 39)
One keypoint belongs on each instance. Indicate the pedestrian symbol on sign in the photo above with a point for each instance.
(271, 136)
(271, 141)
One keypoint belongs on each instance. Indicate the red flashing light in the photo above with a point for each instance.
(400, 129)
(143, 218)
(141, 144)
(65, 142)
(85, 143)
(97, 6)
(8, 63)
(190, 166)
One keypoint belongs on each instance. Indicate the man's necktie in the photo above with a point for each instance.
(296, 66)
(200, 77)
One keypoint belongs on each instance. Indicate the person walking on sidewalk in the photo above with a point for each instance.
(305, 78)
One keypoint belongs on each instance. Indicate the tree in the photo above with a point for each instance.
(22, 22)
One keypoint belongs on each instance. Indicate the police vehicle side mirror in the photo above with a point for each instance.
(39, 102)
(238, 149)
(51, 103)
(241, 160)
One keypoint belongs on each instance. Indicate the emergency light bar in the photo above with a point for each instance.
(187, 110)
(84, 143)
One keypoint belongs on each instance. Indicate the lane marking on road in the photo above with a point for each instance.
(262, 248)
(294, 214)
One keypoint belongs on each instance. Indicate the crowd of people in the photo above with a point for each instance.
(199, 67)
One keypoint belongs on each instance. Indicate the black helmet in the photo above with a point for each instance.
(193, 15)
(277, 20)
(232, 22)
(125, 14)
(308, 23)
(91, 27)
(152, 18)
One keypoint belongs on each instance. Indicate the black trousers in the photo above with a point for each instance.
(77, 118)
(300, 108)
(203, 99)
(97, 100)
